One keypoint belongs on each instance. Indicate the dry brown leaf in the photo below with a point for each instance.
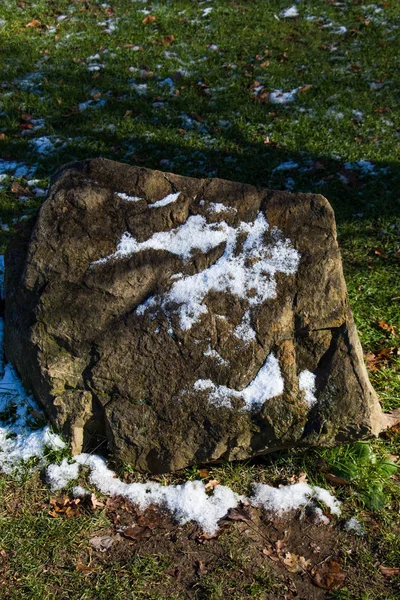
(305, 88)
(335, 479)
(295, 563)
(34, 23)
(64, 506)
(389, 571)
(149, 19)
(280, 545)
(387, 327)
(271, 554)
(211, 484)
(95, 503)
(300, 478)
(201, 568)
(265, 64)
(3, 136)
(380, 251)
(204, 473)
(238, 514)
(330, 577)
(85, 569)
(167, 40)
(19, 190)
(136, 532)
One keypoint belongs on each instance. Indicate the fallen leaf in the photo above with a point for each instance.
(64, 506)
(387, 327)
(19, 190)
(389, 571)
(204, 473)
(265, 64)
(34, 23)
(149, 19)
(95, 503)
(26, 117)
(335, 479)
(101, 543)
(167, 40)
(211, 484)
(109, 12)
(86, 570)
(271, 554)
(330, 577)
(305, 88)
(3, 136)
(300, 478)
(136, 532)
(380, 252)
(295, 563)
(238, 514)
(201, 568)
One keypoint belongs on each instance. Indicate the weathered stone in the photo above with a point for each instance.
(192, 346)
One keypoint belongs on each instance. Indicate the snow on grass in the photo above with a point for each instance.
(291, 497)
(19, 439)
(249, 274)
(352, 525)
(279, 97)
(267, 384)
(58, 476)
(307, 384)
(167, 200)
(187, 502)
(17, 169)
(287, 166)
(289, 13)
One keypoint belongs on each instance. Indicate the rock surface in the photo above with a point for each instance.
(184, 320)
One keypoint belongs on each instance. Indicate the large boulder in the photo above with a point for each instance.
(184, 320)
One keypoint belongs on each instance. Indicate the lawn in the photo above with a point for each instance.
(305, 99)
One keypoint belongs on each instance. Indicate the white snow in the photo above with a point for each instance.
(206, 11)
(18, 440)
(290, 497)
(187, 502)
(307, 384)
(289, 13)
(326, 497)
(279, 97)
(43, 145)
(128, 198)
(218, 207)
(249, 275)
(244, 330)
(287, 166)
(267, 384)
(212, 353)
(167, 200)
(354, 526)
(58, 476)
(79, 492)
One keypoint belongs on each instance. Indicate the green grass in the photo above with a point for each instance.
(211, 124)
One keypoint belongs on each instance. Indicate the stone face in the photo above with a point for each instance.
(185, 320)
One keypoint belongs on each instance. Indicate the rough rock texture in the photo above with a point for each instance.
(185, 320)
